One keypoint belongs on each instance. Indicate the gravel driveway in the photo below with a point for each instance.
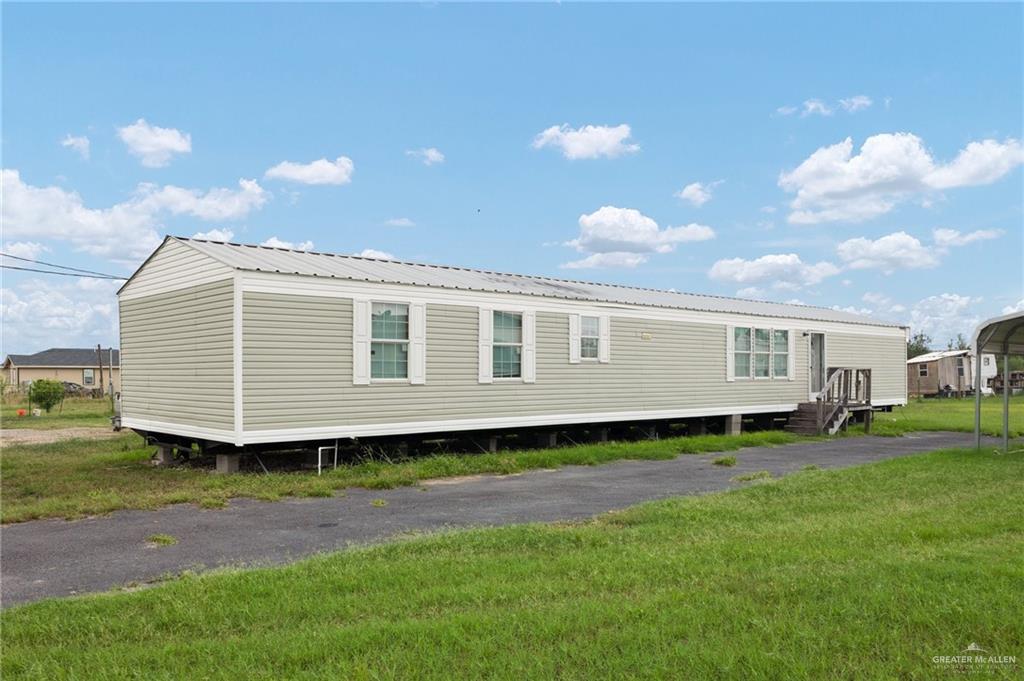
(39, 436)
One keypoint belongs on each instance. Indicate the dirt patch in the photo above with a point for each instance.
(31, 436)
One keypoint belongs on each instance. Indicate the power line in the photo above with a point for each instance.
(50, 271)
(63, 267)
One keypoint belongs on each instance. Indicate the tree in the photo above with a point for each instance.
(46, 393)
(958, 343)
(918, 344)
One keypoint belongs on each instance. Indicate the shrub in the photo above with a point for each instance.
(46, 393)
(725, 461)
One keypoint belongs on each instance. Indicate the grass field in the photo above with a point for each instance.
(951, 414)
(863, 573)
(75, 478)
(76, 412)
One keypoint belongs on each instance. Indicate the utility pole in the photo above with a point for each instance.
(99, 359)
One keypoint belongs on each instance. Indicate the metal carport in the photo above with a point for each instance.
(999, 336)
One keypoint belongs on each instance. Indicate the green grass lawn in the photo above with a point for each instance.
(951, 414)
(864, 573)
(76, 412)
(74, 478)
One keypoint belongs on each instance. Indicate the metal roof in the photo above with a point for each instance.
(255, 258)
(65, 357)
(939, 354)
(1001, 335)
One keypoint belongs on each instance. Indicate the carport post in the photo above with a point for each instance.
(977, 397)
(1006, 402)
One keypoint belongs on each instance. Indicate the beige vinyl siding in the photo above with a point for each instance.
(885, 356)
(174, 265)
(298, 370)
(177, 360)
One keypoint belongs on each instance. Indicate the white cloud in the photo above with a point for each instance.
(274, 242)
(429, 156)
(794, 301)
(833, 184)
(322, 171)
(214, 204)
(896, 251)
(883, 303)
(755, 292)
(698, 193)
(215, 235)
(978, 163)
(589, 141)
(374, 253)
(951, 237)
(768, 209)
(944, 316)
(855, 103)
(611, 229)
(79, 144)
(400, 222)
(901, 251)
(1016, 307)
(24, 249)
(782, 271)
(154, 145)
(816, 107)
(602, 260)
(787, 110)
(41, 314)
(126, 231)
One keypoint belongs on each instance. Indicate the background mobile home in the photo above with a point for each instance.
(247, 344)
(947, 371)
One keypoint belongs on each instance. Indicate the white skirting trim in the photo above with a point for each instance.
(374, 429)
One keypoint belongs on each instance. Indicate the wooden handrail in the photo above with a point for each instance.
(845, 385)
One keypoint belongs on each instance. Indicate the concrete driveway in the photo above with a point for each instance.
(59, 558)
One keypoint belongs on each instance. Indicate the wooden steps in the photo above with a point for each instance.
(804, 420)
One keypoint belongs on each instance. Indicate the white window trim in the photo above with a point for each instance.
(528, 345)
(731, 352)
(576, 338)
(392, 341)
(362, 342)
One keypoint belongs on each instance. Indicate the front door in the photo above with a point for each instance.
(817, 362)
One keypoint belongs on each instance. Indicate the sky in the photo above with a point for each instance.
(865, 157)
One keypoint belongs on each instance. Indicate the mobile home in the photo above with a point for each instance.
(947, 371)
(250, 345)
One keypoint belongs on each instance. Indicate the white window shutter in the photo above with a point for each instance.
(574, 339)
(486, 368)
(604, 341)
(529, 367)
(730, 353)
(360, 342)
(417, 343)
(791, 368)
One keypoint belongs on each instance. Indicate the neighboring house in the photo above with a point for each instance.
(72, 365)
(947, 370)
(247, 345)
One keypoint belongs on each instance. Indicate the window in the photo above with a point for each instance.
(88, 376)
(762, 353)
(590, 334)
(985, 360)
(742, 347)
(960, 366)
(389, 347)
(922, 370)
(507, 351)
(780, 354)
